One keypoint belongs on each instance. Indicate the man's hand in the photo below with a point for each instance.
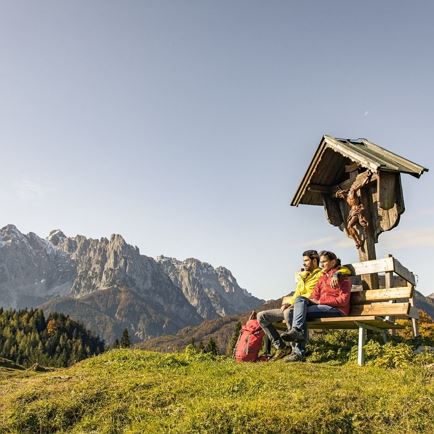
(284, 306)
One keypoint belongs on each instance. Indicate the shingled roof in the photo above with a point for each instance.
(327, 167)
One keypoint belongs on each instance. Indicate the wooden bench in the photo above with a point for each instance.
(375, 309)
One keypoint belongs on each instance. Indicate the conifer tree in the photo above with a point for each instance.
(211, 347)
(125, 339)
(26, 337)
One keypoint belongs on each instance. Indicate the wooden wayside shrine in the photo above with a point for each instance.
(359, 185)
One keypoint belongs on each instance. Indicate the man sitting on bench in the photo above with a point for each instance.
(306, 281)
(326, 300)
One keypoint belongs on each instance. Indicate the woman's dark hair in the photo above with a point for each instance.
(331, 256)
(312, 254)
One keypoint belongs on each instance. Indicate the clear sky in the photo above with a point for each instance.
(186, 126)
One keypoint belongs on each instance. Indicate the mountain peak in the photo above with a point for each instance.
(10, 233)
(56, 236)
(10, 230)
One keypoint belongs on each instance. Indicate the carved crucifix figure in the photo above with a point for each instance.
(356, 214)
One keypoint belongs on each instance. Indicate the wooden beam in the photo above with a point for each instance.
(315, 188)
(374, 266)
(381, 309)
(388, 282)
(404, 272)
(413, 313)
(363, 297)
(345, 185)
(352, 322)
(343, 319)
(367, 250)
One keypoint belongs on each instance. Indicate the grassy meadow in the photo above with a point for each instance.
(134, 391)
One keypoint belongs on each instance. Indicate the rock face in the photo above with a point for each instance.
(213, 292)
(31, 269)
(109, 286)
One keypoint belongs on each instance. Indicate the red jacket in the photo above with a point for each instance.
(339, 297)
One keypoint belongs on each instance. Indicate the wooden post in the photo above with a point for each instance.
(388, 283)
(360, 352)
(367, 251)
(414, 323)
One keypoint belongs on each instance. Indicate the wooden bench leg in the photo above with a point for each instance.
(360, 353)
(414, 323)
(415, 327)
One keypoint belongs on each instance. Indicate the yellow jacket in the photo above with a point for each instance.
(306, 281)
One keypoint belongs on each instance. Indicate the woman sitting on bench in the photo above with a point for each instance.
(325, 301)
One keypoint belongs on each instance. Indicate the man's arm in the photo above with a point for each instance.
(343, 271)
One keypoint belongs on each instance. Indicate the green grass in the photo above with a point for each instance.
(133, 391)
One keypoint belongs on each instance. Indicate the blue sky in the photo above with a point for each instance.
(187, 126)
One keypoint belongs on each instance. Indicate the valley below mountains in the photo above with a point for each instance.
(108, 285)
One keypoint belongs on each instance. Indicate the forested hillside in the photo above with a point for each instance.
(27, 337)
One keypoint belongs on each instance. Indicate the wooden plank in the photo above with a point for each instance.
(333, 212)
(388, 218)
(380, 325)
(375, 266)
(346, 319)
(386, 190)
(404, 272)
(381, 309)
(316, 188)
(352, 322)
(413, 312)
(363, 297)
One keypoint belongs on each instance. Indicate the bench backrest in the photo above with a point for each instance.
(386, 265)
(396, 302)
(382, 302)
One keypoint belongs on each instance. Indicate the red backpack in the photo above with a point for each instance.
(249, 342)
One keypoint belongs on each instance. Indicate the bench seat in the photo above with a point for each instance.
(353, 322)
(347, 322)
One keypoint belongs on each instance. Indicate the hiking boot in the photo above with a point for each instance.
(294, 335)
(294, 357)
(284, 336)
(279, 354)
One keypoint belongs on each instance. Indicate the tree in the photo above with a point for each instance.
(211, 347)
(125, 339)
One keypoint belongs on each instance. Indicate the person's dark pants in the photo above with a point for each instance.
(266, 319)
(305, 310)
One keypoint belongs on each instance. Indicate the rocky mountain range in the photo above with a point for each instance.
(109, 286)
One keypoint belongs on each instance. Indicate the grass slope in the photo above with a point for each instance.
(134, 391)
